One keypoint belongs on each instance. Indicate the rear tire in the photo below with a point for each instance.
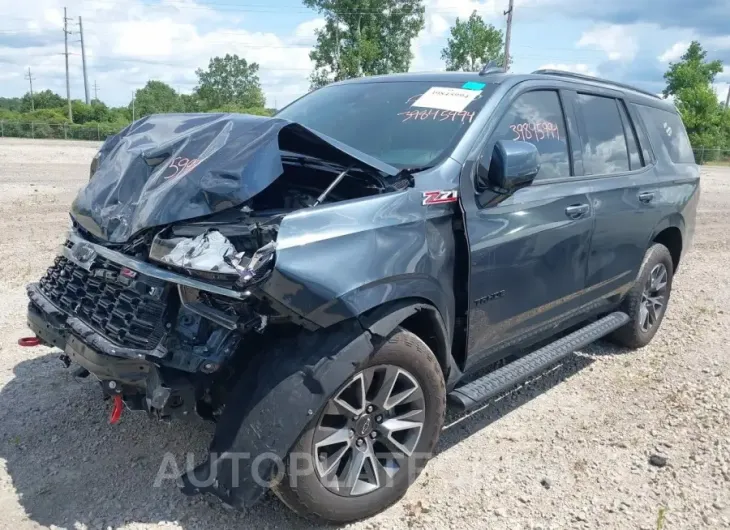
(647, 301)
(330, 496)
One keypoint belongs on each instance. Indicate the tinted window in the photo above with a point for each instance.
(671, 130)
(537, 117)
(604, 143)
(385, 121)
(631, 141)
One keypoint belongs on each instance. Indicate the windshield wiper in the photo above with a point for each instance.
(417, 169)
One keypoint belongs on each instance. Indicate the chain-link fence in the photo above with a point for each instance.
(712, 156)
(64, 131)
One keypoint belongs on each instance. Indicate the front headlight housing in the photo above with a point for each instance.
(213, 256)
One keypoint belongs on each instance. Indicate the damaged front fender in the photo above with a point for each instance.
(272, 404)
(274, 401)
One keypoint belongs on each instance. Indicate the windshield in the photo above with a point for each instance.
(408, 124)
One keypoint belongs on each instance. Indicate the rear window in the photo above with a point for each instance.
(605, 149)
(631, 141)
(669, 127)
(408, 124)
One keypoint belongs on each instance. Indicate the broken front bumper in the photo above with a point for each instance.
(141, 330)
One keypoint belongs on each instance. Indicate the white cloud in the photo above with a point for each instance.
(129, 43)
(617, 41)
(674, 53)
(579, 68)
(305, 32)
(451, 9)
(440, 16)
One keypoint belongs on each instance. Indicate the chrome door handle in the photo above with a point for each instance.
(646, 196)
(576, 211)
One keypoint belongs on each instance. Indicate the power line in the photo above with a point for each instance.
(177, 64)
(30, 78)
(265, 8)
(259, 8)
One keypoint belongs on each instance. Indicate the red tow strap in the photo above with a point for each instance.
(29, 341)
(117, 409)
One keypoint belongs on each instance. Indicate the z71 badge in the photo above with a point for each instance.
(440, 197)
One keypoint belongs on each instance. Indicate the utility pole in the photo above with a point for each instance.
(29, 77)
(96, 91)
(508, 36)
(66, 33)
(83, 61)
(727, 99)
(134, 97)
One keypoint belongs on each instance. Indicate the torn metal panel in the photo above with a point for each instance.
(173, 167)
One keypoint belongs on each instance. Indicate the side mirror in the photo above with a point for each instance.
(513, 165)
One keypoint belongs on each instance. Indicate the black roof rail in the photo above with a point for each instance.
(583, 77)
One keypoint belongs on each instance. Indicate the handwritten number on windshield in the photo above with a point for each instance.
(437, 115)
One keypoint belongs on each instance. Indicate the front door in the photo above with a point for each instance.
(529, 252)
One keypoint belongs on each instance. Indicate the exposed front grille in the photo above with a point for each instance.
(122, 313)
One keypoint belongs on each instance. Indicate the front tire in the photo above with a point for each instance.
(373, 437)
(647, 301)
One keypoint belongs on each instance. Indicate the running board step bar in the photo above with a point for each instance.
(494, 383)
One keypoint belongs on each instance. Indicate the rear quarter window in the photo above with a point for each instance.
(669, 128)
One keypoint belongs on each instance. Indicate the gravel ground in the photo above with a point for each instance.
(548, 455)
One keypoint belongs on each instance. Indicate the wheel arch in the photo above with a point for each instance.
(422, 318)
(670, 233)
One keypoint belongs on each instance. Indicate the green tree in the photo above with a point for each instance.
(12, 104)
(364, 37)
(191, 103)
(473, 43)
(45, 99)
(156, 97)
(689, 81)
(230, 80)
(96, 112)
(57, 115)
(319, 78)
(692, 70)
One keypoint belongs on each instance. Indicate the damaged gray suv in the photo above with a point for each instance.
(318, 283)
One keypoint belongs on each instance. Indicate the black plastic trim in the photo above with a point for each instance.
(494, 383)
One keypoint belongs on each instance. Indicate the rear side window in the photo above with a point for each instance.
(669, 127)
(602, 136)
(537, 117)
(631, 141)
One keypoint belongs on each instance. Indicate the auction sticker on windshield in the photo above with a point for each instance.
(455, 99)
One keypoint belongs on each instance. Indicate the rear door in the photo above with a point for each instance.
(623, 191)
(528, 250)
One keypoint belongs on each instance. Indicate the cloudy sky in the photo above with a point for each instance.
(131, 41)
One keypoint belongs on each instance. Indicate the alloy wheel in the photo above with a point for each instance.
(654, 297)
(369, 430)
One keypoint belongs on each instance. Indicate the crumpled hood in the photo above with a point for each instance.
(173, 167)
